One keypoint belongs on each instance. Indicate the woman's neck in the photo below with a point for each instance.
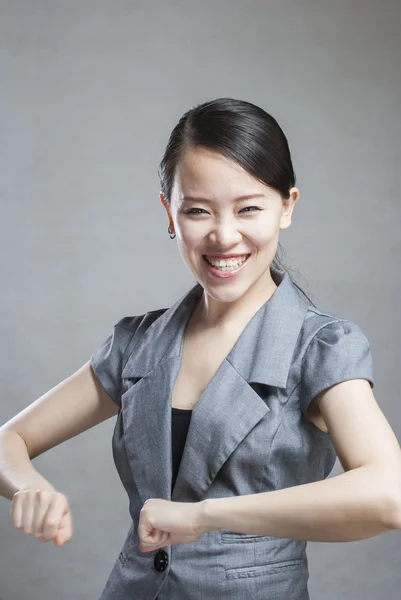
(210, 313)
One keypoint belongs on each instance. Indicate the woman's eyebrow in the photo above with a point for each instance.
(207, 200)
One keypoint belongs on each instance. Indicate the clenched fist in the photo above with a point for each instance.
(44, 514)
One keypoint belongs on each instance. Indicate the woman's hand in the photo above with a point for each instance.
(44, 514)
(162, 522)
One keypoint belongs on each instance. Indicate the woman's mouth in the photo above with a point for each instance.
(227, 266)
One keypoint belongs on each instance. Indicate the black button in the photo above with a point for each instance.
(161, 560)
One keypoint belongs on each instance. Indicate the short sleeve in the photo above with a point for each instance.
(338, 352)
(109, 359)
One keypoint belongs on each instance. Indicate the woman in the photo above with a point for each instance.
(272, 389)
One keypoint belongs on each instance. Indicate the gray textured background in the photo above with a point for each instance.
(89, 93)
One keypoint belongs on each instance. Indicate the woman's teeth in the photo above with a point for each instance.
(227, 265)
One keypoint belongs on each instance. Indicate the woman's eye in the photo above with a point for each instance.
(201, 211)
(195, 211)
(250, 208)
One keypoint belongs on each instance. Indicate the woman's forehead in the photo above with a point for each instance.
(208, 174)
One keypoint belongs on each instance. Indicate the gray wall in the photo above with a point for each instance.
(89, 93)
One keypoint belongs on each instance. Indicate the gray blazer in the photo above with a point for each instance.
(248, 434)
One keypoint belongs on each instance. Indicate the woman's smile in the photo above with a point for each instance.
(225, 266)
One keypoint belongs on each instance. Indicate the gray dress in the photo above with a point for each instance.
(248, 434)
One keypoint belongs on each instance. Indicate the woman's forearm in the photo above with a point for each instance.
(16, 470)
(352, 506)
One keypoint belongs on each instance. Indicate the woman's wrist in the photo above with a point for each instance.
(208, 516)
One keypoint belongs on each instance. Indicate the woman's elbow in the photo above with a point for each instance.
(391, 509)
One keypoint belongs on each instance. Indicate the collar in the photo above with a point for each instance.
(264, 350)
(262, 353)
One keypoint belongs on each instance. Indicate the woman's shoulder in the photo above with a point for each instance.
(322, 324)
(131, 323)
(334, 350)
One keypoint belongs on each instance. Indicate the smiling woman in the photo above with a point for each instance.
(231, 405)
(222, 157)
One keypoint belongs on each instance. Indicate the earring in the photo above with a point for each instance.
(171, 233)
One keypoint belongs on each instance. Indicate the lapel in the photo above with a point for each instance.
(228, 408)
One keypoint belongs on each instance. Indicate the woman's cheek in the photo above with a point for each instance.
(264, 232)
(193, 236)
(189, 242)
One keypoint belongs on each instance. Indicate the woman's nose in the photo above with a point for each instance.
(225, 234)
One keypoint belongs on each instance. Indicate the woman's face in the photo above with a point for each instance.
(227, 223)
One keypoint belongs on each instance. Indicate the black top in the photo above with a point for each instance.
(179, 429)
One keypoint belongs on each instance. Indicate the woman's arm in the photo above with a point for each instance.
(71, 407)
(360, 503)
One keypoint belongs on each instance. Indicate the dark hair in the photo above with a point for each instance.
(240, 131)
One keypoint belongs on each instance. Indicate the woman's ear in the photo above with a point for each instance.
(167, 209)
(288, 205)
(164, 202)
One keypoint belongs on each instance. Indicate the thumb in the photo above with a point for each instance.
(158, 539)
(64, 532)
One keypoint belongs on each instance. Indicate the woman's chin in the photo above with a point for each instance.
(227, 293)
